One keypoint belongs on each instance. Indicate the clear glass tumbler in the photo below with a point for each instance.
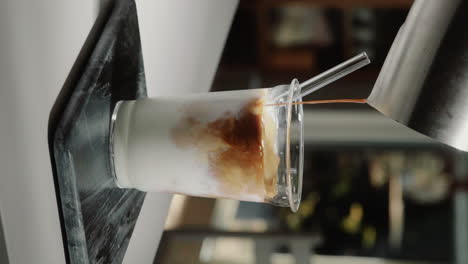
(244, 145)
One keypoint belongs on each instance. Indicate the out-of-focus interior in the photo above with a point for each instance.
(374, 191)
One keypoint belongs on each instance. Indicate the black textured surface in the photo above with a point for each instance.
(98, 218)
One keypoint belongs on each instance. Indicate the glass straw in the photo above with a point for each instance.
(333, 74)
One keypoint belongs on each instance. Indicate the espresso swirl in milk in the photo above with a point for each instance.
(238, 147)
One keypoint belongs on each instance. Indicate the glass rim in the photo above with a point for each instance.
(294, 196)
(114, 114)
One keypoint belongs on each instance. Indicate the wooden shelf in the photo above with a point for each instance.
(300, 60)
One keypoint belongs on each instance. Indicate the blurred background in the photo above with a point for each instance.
(374, 191)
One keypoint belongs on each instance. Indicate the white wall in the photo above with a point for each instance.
(39, 41)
